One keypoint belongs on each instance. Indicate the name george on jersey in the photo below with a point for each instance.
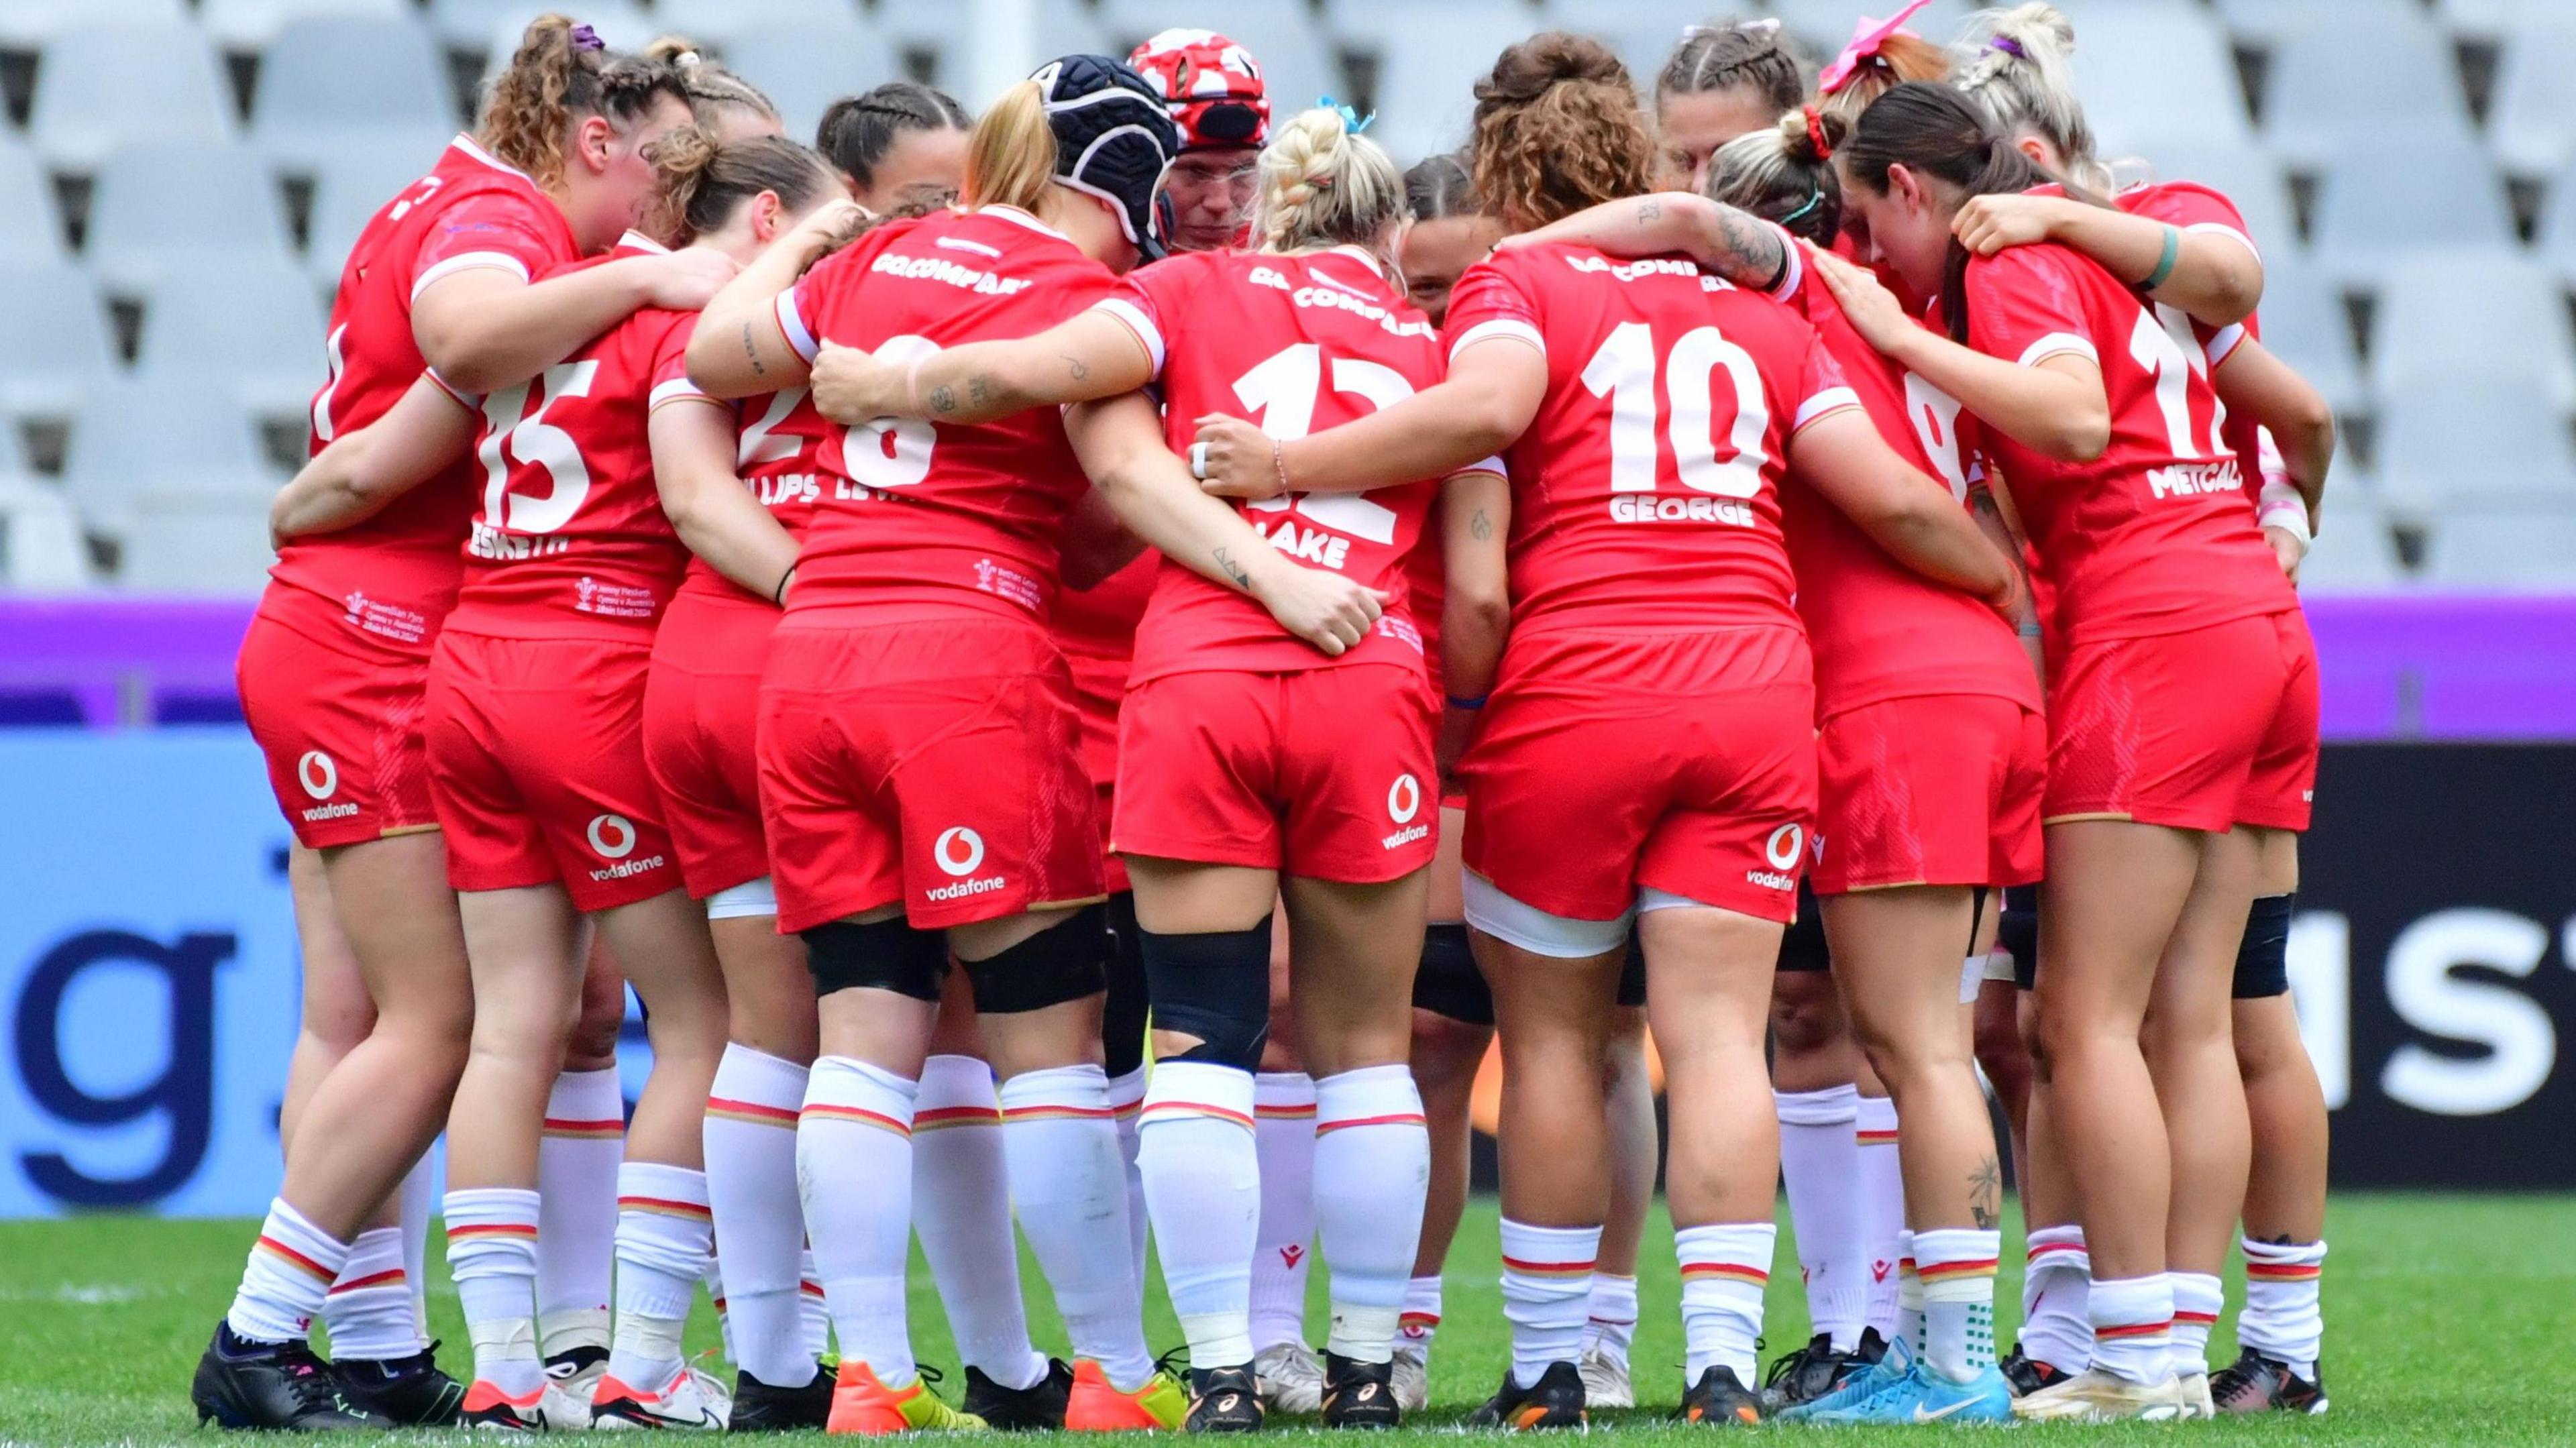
(1646, 508)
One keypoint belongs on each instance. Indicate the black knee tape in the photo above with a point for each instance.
(1802, 945)
(2017, 931)
(1632, 973)
(1449, 984)
(1215, 987)
(888, 955)
(1063, 962)
(1122, 1015)
(2263, 959)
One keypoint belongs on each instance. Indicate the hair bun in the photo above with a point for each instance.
(1526, 71)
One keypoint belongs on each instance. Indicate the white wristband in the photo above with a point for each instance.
(2280, 506)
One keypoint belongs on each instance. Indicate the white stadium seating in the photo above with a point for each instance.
(181, 188)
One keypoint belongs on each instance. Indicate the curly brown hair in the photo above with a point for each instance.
(529, 111)
(1558, 128)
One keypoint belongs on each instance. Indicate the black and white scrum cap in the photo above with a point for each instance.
(1113, 138)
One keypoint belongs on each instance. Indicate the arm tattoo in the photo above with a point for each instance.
(1650, 210)
(751, 349)
(1986, 1194)
(1755, 256)
(1076, 368)
(1481, 526)
(1233, 570)
(978, 391)
(943, 399)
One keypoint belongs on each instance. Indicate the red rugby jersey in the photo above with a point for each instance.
(1646, 493)
(923, 518)
(569, 539)
(396, 574)
(2153, 536)
(1298, 344)
(779, 459)
(1878, 629)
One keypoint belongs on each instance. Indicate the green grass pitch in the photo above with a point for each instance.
(2450, 1319)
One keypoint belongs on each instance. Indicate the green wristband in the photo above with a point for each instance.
(2165, 260)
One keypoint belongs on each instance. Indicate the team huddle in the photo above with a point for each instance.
(1086, 663)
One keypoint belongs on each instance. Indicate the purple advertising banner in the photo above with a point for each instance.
(2396, 667)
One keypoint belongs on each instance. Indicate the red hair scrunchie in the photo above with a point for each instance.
(1816, 133)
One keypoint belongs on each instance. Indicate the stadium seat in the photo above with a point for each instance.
(2243, 173)
(2498, 442)
(209, 543)
(343, 80)
(254, 326)
(1297, 64)
(2152, 76)
(147, 436)
(2354, 553)
(804, 68)
(29, 230)
(2489, 18)
(2269, 21)
(252, 25)
(2513, 550)
(54, 347)
(104, 86)
(1429, 61)
(179, 202)
(350, 185)
(2389, 195)
(1064, 27)
(2470, 317)
(2305, 323)
(721, 22)
(41, 550)
(33, 24)
(2532, 120)
(2557, 239)
(2353, 77)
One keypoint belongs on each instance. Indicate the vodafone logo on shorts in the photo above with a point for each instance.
(958, 852)
(1781, 850)
(1403, 802)
(612, 838)
(321, 780)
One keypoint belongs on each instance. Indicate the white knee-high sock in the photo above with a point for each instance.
(1613, 1312)
(1127, 1099)
(961, 1187)
(750, 1141)
(577, 1162)
(2284, 1317)
(814, 1315)
(1879, 1192)
(1547, 1293)
(287, 1278)
(1070, 1185)
(1724, 1268)
(2056, 1326)
(1421, 1320)
(1820, 1163)
(369, 1311)
(419, 1204)
(2133, 1327)
(1956, 1266)
(665, 1242)
(1284, 1108)
(854, 1174)
(2198, 1299)
(1372, 1167)
(492, 1253)
(1909, 1296)
(1203, 1186)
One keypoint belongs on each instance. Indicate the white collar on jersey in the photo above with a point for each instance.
(638, 241)
(1016, 216)
(474, 149)
(1363, 256)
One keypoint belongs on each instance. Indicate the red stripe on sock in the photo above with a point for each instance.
(297, 1258)
(1198, 1108)
(2194, 1319)
(563, 1126)
(1059, 1113)
(1546, 1269)
(2284, 1271)
(2043, 1249)
(1405, 1118)
(810, 1289)
(2134, 1329)
(493, 1229)
(1944, 1271)
(386, 1278)
(1736, 1270)
(1292, 1112)
(858, 1116)
(754, 1110)
(945, 1116)
(664, 1205)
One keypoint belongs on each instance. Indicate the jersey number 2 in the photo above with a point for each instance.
(1283, 389)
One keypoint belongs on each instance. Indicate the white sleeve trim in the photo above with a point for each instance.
(2058, 344)
(1511, 327)
(2221, 228)
(793, 325)
(469, 261)
(2222, 343)
(1138, 323)
(470, 401)
(673, 391)
(1795, 272)
(1829, 400)
(1492, 465)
